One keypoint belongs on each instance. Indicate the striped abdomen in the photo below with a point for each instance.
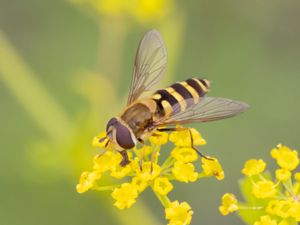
(180, 96)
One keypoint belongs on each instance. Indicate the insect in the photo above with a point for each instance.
(181, 103)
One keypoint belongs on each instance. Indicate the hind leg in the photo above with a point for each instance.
(191, 136)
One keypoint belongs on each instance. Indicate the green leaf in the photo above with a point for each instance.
(250, 215)
(253, 209)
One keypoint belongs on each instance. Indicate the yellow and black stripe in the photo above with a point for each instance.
(180, 96)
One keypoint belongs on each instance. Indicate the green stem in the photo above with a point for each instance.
(201, 175)
(111, 46)
(165, 201)
(246, 207)
(105, 188)
(31, 93)
(262, 177)
(289, 187)
(169, 161)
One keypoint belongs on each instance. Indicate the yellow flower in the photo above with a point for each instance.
(139, 183)
(283, 174)
(150, 10)
(264, 189)
(179, 214)
(150, 171)
(272, 206)
(184, 154)
(212, 168)
(162, 185)
(265, 220)
(125, 196)
(107, 161)
(229, 204)
(285, 157)
(160, 138)
(184, 172)
(100, 140)
(282, 208)
(281, 200)
(87, 180)
(254, 167)
(120, 171)
(284, 222)
(294, 211)
(297, 176)
(183, 138)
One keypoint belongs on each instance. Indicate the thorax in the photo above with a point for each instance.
(139, 116)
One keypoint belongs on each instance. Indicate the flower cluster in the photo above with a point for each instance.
(269, 201)
(180, 166)
(142, 11)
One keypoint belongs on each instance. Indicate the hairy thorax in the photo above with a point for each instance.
(139, 117)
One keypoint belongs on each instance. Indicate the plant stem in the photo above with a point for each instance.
(105, 188)
(31, 93)
(165, 201)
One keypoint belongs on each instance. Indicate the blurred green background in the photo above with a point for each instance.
(65, 68)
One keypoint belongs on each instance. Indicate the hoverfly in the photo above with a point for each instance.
(181, 103)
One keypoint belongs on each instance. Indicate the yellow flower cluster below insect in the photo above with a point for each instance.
(277, 202)
(180, 165)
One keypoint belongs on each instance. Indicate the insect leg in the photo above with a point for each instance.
(125, 160)
(172, 129)
(142, 154)
(192, 140)
(154, 156)
(193, 147)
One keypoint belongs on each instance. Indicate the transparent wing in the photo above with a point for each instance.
(149, 66)
(208, 109)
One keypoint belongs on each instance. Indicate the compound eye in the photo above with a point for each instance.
(123, 136)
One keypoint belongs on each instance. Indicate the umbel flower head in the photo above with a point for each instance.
(268, 201)
(134, 178)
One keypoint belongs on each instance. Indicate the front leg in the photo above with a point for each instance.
(142, 153)
(125, 159)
